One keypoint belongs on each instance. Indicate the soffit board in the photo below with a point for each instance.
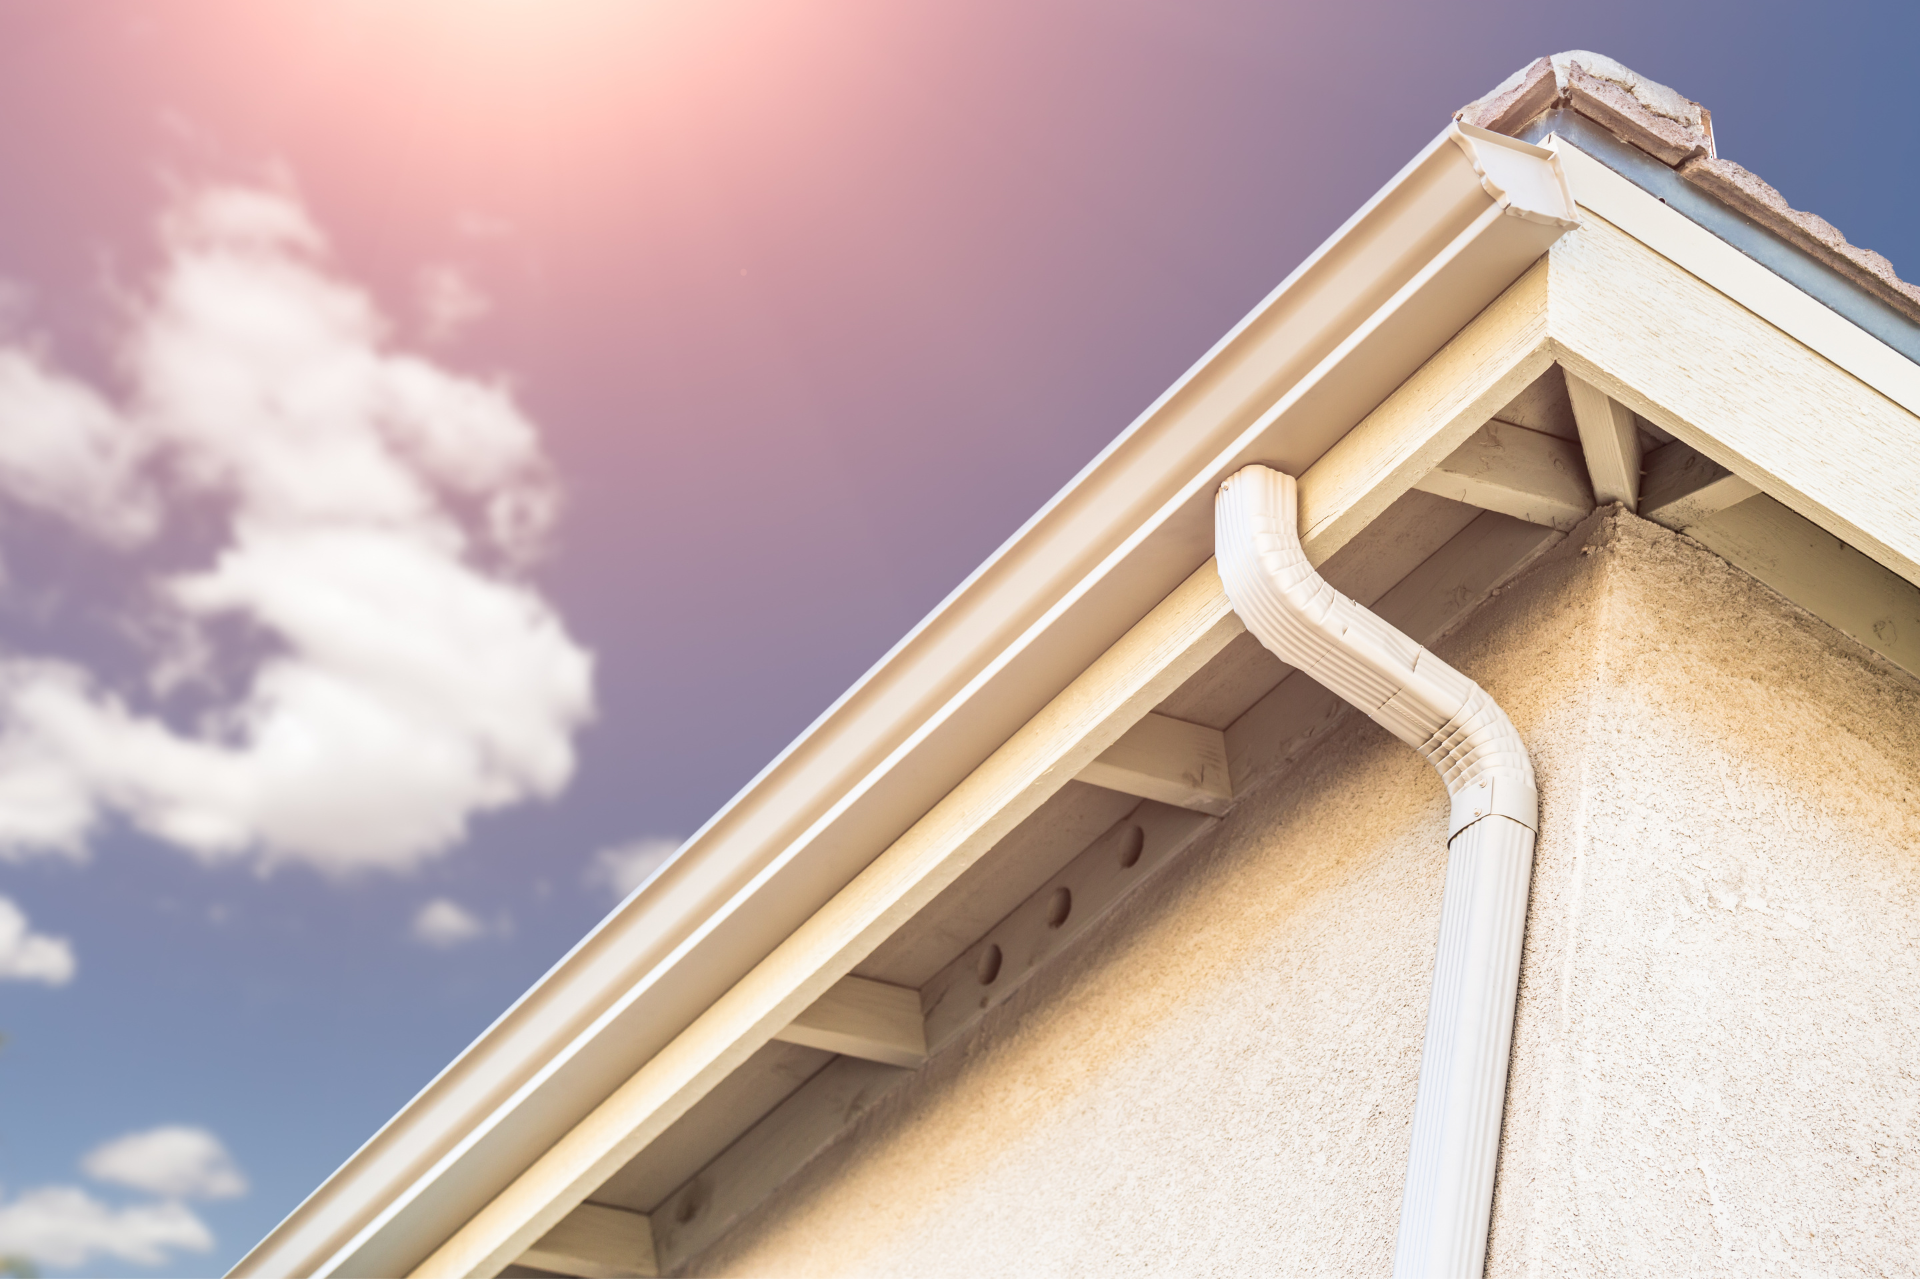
(1727, 355)
(1788, 331)
(1405, 272)
(1114, 542)
(1499, 353)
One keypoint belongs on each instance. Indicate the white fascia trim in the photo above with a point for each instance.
(1701, 253)
(1461, 731)
(1408, 270)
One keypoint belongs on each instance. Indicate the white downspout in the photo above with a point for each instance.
(1446, 717)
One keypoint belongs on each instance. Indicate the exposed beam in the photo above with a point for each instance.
(1167, 760)
(768, 1078)
(1108, 697)
(1820, 573)
(1529, 475)
(867, 1019)
(1714, 349)
(1457, 578)
(1612, 339)
(1427, 416)
(1685, 486)
(597, 1242)
(1482, 368)
(1079, 896)
(1610, 439)
(988, 972)
(742, 1176)
(1438, 591)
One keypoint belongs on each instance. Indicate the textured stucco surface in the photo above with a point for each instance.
(1715, 1065)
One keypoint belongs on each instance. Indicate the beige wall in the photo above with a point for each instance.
(1717, 1055)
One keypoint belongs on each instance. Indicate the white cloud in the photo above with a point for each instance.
(64, 1226)
(625, 867)
(29, 956)
(448, 302)
(377, 511)
(173, 1162)
(444, 924)
(64, 450)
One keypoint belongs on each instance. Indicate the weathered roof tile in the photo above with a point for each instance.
(1754, 196)
(1679, 132)
(1519, 98)
(1622, 112)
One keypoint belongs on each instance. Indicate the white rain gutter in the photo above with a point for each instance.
(1476, 974)
(1463, 220)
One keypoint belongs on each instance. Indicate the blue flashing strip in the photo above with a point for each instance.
(1794, 265)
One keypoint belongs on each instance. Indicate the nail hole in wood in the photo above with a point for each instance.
(988, 966)
(1132, 841)
(1059, 906)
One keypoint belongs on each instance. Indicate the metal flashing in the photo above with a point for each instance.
(1793, 264)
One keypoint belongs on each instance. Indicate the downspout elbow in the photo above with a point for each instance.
(1463, 733)
(1364, 660)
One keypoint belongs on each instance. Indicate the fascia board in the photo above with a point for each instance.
(1793, 264)
(1741, 277)
(1817, 412)
(1405, 272)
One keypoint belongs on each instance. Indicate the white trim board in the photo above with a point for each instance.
(1737, 388)
(726, 946)
(1727, 270)
(1568, 308)
(1408, 269)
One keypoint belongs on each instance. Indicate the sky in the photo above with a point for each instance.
(447, 447)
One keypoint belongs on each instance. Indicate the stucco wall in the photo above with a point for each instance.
(1717, 1052)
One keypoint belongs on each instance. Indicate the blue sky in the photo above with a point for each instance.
(332, 719)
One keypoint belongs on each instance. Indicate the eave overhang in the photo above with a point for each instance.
(1372, 362)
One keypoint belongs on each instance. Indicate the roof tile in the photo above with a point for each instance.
(1679, 132)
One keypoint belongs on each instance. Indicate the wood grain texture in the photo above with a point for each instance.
(1533, 477)
(1109, 697)
(595, 1241)
(766, 1079)
(1624, 319)
(1820, 573)
(1610, 442)
(1114, 865)
(1718, 265)
(1738, 389)
(775, 1148)
(1454, 581)
(988, 972)
(1685, 486)
(1486, 365)
(858, 1017)
(1167, 760)
(1054, 835)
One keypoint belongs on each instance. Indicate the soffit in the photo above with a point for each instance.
(1407, 270)
(1421, 560)
(1369, 528)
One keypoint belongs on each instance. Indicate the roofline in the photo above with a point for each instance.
(1789, 261)
(1408, 270)
(1645, 307)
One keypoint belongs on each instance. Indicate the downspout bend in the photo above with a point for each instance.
(1465, 735)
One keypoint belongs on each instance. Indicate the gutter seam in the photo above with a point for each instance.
(1463, 733)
